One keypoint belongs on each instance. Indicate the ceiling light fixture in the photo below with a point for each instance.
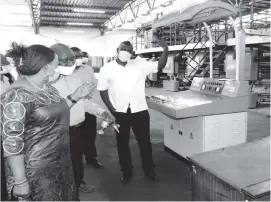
(167, 4)
(146, 14)
(84, 10)
(78, 23)
(130, 20)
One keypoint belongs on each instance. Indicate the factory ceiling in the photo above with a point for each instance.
(99, 13)
(82, 13)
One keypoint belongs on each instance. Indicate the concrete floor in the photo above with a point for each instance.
(174, 175)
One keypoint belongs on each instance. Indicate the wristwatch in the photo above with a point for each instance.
(72, 100)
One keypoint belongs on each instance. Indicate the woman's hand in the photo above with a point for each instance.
(21, 190)
(108, 117)
(83, 90)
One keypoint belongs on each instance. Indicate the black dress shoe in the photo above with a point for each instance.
(95, 164)
(152, 176)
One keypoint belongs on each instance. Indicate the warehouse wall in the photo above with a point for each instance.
(90, 40)
(48, 36)
(106, 45)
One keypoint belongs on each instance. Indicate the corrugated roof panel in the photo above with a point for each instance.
(65, 19)
(15, 13)
(81, 10)
(65, 8)
(73, 14)
(88, 3)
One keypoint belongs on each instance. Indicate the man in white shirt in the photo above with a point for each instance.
(86, 74)
(122, 87)
(70, 80)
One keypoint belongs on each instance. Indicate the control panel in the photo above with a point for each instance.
(166, 101)
(212, 86)
(206, 96)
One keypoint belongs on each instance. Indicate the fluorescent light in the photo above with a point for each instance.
(146, 14)
(83, 10)
(73, 31)
(167, 4)
(79, 23)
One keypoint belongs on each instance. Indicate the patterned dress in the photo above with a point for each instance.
(36, 124)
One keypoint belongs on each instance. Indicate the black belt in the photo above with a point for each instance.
(76, 126)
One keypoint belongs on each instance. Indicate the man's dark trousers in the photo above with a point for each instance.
(76, 149)
(140, 124)
(89, 135)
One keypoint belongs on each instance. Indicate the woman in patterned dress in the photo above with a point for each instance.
(35, 129)
(4, 85)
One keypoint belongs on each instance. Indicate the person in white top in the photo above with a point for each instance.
(70, 80)
(90, 123)
(122, 88)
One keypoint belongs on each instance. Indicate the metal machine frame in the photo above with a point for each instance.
(212, 121)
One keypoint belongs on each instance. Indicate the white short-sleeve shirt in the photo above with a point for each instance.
(126, 85)
(66, 85)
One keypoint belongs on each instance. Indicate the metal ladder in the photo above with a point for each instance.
(203, 66)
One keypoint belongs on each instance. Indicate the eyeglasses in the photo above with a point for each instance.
(66, 62)
(78, 56)
(129, 50)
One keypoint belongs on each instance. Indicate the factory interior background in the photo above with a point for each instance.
(209, 108)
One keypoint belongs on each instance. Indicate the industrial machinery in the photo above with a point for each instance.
(172, 70)
(155, 79)
(210, 115)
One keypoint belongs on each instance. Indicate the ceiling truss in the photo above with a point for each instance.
(73, 12)
(133, 7)
(35, 12)
(44, 13)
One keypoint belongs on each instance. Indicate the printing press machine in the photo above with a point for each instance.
(210, 115)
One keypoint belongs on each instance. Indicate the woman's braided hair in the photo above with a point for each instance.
(30, 60)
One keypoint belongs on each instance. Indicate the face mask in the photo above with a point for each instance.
(11, 62)
(66, 70)
(14, 73)
(85, 60)
(78, 62)
(55, 76)
(12, 70)
(124, 56)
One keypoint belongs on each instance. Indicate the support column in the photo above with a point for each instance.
(210, 48)
(240, 48)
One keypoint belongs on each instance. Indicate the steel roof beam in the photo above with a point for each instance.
(65, 24)
(71, 20)
(62, 13)
(75, 17)
(149, 4)
(35, 14)
(133, 12)
(128, 6)
(58, 7)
